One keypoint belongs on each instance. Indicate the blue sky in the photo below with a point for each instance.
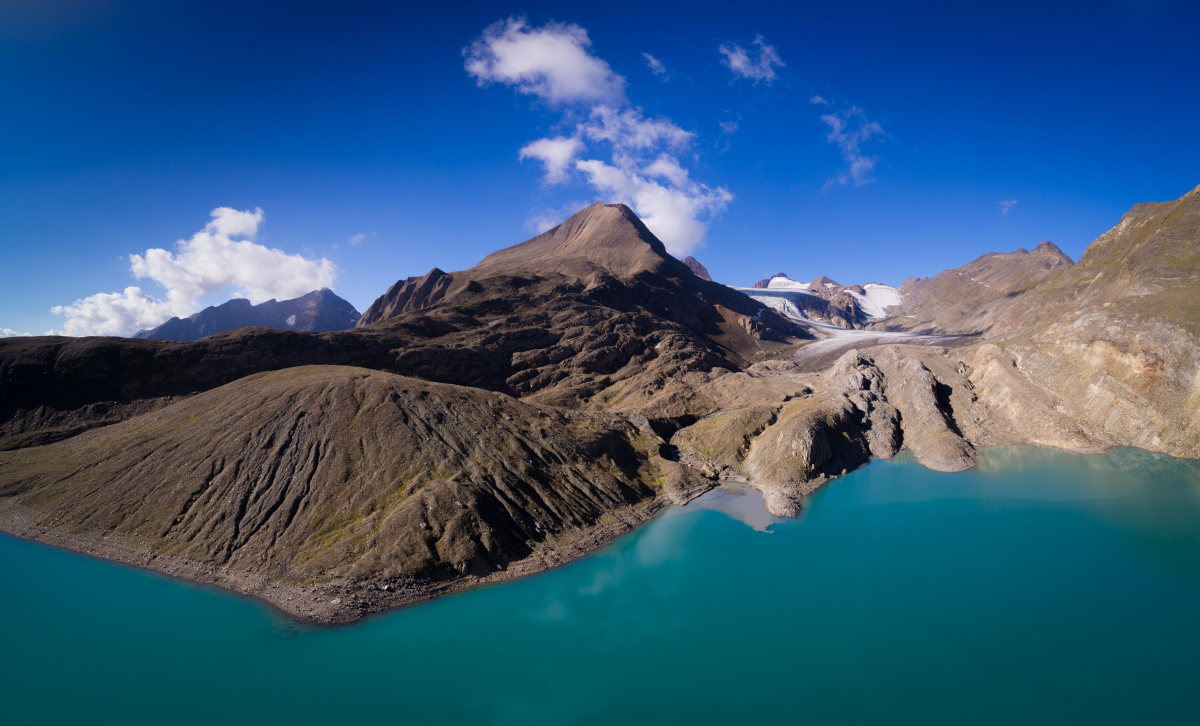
(380, 140)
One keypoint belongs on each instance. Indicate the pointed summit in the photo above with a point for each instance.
(694, 265)
(601, 237)
(414, 293)
(1051, 250)
(599, 240)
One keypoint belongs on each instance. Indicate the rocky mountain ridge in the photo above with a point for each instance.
(966, 299)
(318, 311)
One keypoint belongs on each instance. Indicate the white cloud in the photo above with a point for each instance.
(850, 129)
(113, 313)
(675, 212)
(556, 155)
(615, 148)
(10, 333)
(551, 62)
(356, 239)
(656, 66)
(739, 60)
(728, 127)
(668, 168)
(1006, 205)
(211, 260)
(629, 131)
(818, 101)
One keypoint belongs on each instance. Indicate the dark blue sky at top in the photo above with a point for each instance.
(124, 123)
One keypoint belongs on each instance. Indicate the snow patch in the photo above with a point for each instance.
(876, 299)
(291, 320)
(785, 283)
(779, 304)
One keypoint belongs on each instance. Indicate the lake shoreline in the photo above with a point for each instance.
(334, 604)
(339, 603)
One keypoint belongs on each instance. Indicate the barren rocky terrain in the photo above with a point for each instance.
(491, 422)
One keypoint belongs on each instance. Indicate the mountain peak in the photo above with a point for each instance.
(1050, 250)
(763, 284)
(607, 237)
(695, 266)
(317, 311)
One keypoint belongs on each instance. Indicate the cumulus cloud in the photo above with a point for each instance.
(849, 130)
(114, 313)
(222, 256)
(556, 155)
(744, 65)
(1006, 205)
(551, 62)
(611, 145)
(818, 101)
(656, 66)
(629, 131)
(676, 211)
(213, 259)
(10, 333)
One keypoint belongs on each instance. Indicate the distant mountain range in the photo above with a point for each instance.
(486, 423)
(319, 311)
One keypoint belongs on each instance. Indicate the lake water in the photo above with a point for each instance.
(1042, 587)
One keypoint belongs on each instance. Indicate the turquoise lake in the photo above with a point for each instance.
(1042, 587)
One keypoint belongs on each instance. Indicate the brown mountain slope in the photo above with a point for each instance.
(1146, 267)
(343, 476)
(967, 299)
(603, 253)
(1115, 339)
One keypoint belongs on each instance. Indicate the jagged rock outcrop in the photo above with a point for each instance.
(319, 311)
(694, 265)
(928, 424)
(407, 296)
(790, 447)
